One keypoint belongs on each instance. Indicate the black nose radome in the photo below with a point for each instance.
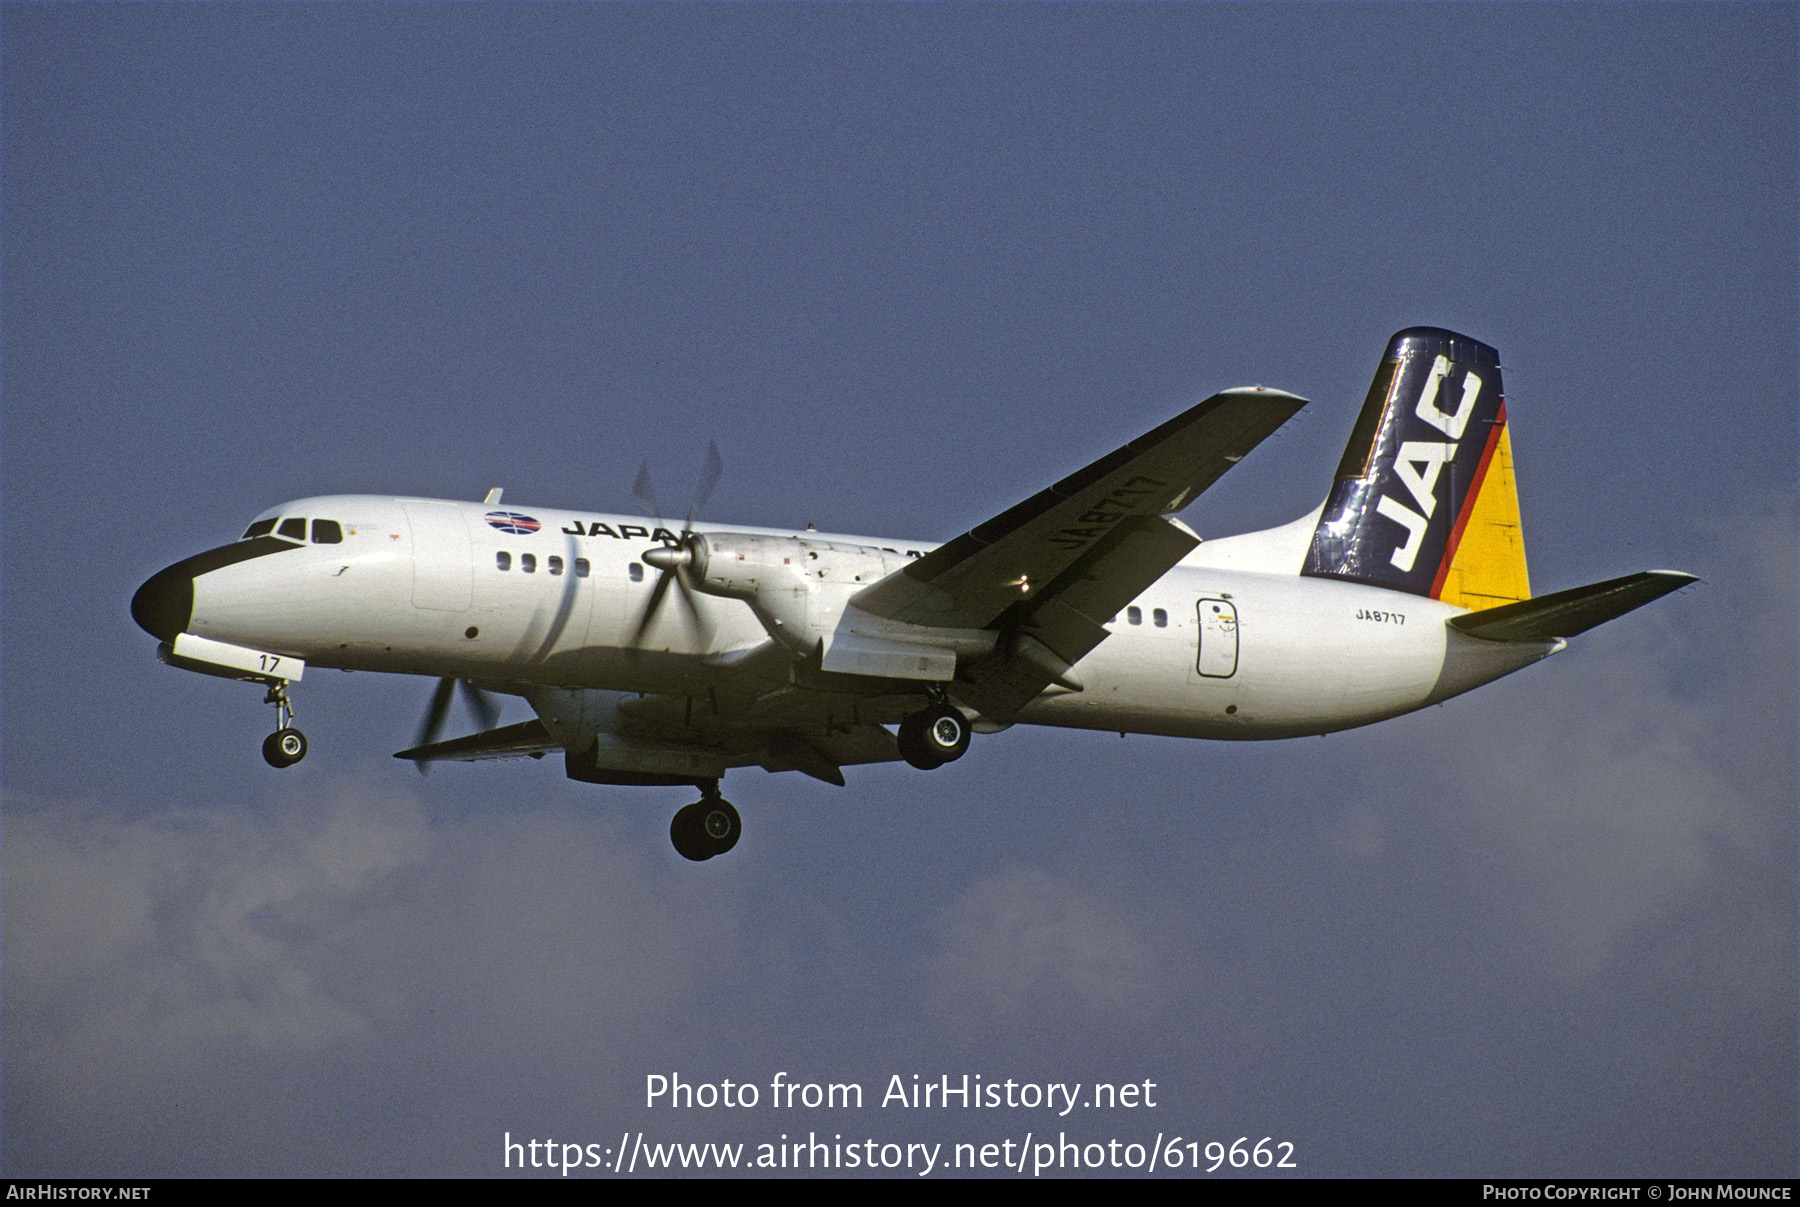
(165, 603)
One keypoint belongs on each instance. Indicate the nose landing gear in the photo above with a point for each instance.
(708, 827)
(287, 745)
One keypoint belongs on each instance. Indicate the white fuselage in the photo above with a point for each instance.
(1232, 643)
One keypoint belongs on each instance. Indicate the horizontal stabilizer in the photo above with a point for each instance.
(1568, 613)
(508, 742)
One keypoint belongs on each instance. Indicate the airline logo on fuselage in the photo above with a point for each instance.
(513, 523)
(624, 532)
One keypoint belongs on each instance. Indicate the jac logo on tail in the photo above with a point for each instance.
(1419, 463)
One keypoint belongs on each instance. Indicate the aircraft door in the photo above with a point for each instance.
(443, 578)
(1217, 656)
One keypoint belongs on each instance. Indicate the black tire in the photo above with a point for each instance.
(284, 748)
(912, 742)
(934, 736)
(685, 832)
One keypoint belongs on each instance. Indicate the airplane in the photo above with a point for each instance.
(660, 656)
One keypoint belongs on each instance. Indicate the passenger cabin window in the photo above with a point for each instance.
(327, 532)
(555, 564)
(1161, 618)
(503, 560)
(528, 563)
(581, 567)
(637, 573)
(260, 528)
(1134, 614)
(294, 529)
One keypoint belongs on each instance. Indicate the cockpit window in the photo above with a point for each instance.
(260, 528)
(327, 532)
(294, 529)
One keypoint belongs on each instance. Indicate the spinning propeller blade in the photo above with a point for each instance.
(644, 492)
(481, 704)
(671, 561)
(487, 713)
(710, 472)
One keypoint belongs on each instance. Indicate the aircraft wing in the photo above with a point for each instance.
(526, 739)
(973, 580)
(817, 747)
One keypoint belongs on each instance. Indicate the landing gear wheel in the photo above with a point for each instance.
(933, 736)
(284, 747)
(720, 825)
(705, 828)
(911, 740)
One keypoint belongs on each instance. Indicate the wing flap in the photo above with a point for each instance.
(1068, 619)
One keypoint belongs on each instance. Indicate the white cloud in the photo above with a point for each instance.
(1648, 768)
(133, 937)
(502, 952)
(1023, 944)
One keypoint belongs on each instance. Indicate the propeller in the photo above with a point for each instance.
(487, 713)
(673, 558)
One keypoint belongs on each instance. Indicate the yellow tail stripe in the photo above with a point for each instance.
(1488, 567)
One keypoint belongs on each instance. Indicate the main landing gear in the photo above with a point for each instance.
(287, 745)
(708, 827)
(933, 736)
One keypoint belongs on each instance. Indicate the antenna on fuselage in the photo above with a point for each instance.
(493, 496)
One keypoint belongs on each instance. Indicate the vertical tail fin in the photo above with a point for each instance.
(1424, 500)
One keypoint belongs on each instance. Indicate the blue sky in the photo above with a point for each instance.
(907, 264)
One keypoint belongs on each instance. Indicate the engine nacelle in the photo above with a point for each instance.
(742, 567)
(797, 587)
(801, 590)
(592, 731)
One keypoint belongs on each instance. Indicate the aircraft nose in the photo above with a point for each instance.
(165, 603)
